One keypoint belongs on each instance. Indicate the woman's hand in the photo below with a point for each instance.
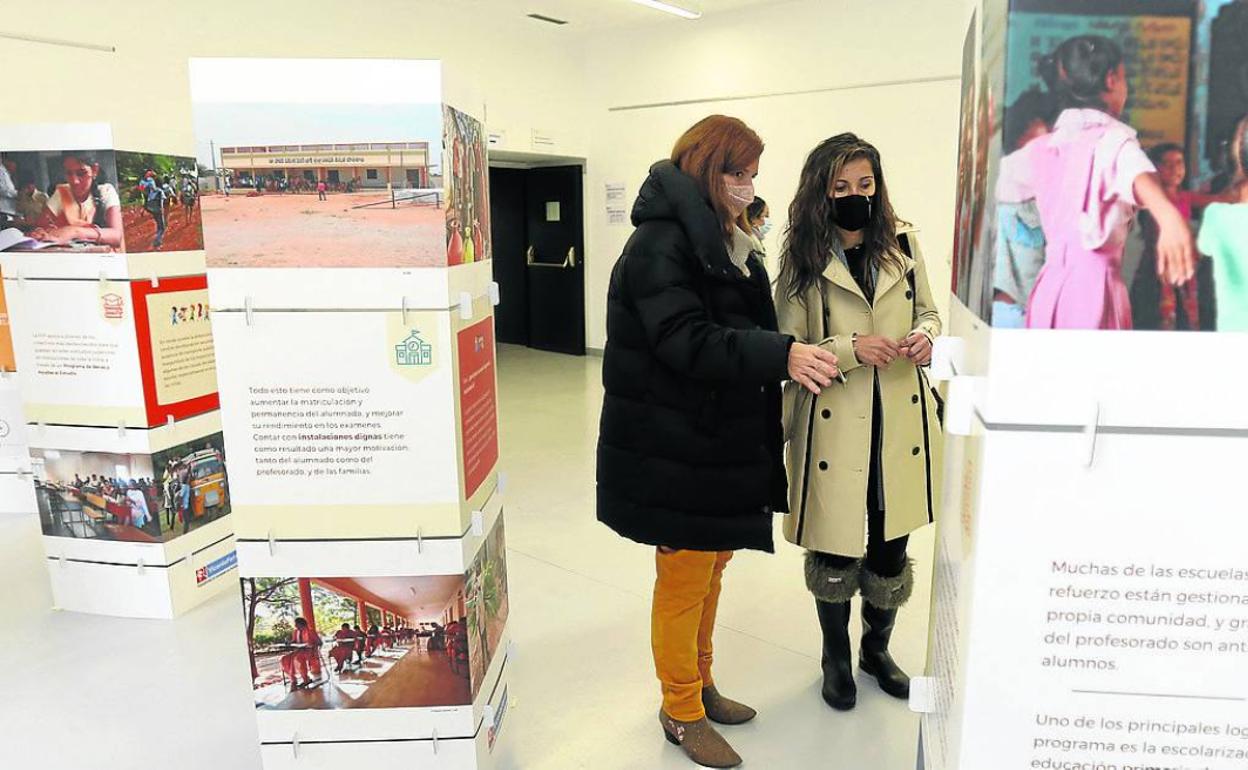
(918, 348)
(874, 350)
(811, 366)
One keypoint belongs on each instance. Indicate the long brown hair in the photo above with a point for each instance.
(712, 147)
(811, 235)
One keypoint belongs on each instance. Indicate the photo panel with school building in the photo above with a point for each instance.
(320, 162)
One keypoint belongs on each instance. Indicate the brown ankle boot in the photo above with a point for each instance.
(700, 742)
(723, 710)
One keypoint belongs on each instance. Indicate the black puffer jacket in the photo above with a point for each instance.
(690, 445)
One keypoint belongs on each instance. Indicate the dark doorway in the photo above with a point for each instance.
(538, 232)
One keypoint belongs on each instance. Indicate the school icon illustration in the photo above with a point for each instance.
(413, 351)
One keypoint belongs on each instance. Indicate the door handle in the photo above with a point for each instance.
(569, 261)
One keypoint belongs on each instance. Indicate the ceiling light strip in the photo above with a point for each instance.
(672, 7)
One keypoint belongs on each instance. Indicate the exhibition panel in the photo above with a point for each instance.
(318, 443)
(400, 655)
(352, 304)
(110, 353)
(117, 377)
(142, 208)
(1087, 602)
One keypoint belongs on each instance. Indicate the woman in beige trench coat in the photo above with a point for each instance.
(864, 455)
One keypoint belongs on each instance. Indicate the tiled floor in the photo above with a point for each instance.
(88, 693)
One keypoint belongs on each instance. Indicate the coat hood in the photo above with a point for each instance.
(672, 195)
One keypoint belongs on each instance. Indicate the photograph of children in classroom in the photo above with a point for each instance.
(1122, 199)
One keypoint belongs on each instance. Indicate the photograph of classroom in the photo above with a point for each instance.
(350, 643)
(1181, 116)
(136, 498)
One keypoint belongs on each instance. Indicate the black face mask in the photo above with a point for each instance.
(852, 212)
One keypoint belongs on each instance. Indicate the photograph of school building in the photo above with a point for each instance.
(361, 165)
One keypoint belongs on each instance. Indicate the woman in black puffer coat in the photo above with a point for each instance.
(690, 446)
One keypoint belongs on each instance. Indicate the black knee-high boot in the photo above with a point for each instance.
(834, 581)
(882, 597)
(839, 689)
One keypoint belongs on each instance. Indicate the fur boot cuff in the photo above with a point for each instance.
(828, 582)
(888, 593)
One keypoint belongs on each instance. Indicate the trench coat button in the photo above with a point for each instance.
(914, 399)
(823, 465)
(915, 451)
(827, 414)
(909, 294)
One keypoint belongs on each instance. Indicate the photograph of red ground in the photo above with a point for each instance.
(164, 187)
(298, 230)
(182, 233)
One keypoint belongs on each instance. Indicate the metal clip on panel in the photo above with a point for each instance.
(1090, 433)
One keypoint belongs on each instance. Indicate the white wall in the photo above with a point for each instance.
(782, 49)
(525, 73)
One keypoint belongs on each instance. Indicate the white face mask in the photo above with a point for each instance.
(740, 196)
(766, 228)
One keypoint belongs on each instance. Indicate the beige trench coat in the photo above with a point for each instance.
(829, 436)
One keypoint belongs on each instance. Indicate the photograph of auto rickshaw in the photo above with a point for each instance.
(136, 498)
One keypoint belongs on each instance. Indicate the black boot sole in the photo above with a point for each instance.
(844, 704)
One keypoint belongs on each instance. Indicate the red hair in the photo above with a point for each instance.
(712, 147)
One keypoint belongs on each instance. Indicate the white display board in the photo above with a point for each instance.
(407, 688)
(112, 353)
(478, 750)
(359, 423)
(140, 590)
(1089, 593)
(1105, 617)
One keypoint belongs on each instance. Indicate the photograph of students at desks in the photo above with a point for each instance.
(135, 498)
(340, 643)
(60, 201)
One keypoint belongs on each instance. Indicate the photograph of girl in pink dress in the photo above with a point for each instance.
(1088, 178)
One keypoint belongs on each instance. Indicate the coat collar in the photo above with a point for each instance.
(837, 272)
(670, 194)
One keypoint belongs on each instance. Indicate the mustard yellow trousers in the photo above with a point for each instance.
(686, 596)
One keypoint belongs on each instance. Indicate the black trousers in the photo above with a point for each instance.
(885, 558)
